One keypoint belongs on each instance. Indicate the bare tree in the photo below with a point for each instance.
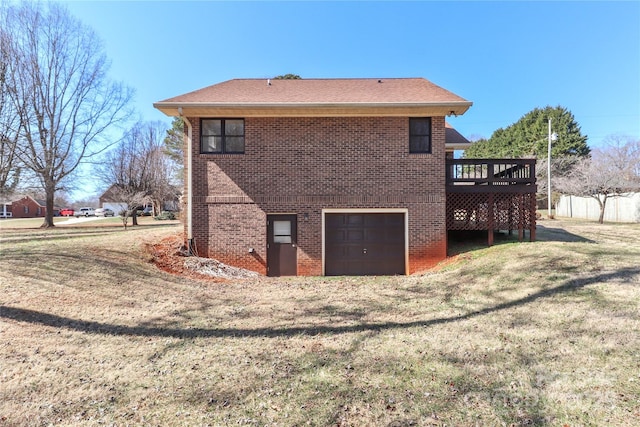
(65, 102)
(133, 199)
(560, 167)
(622, 154)
(161, 167)
(610, 172)
(9, 122)
(139, 168)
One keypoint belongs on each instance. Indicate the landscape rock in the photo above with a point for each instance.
(215, 268)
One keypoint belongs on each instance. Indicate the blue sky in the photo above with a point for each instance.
(506, 57)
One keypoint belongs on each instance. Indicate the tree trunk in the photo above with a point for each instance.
(603, 204)
(134, 217)
(50, 191)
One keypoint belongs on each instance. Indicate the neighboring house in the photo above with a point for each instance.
(109, 200)
(28, 207)
(5, 208)
(321, 176)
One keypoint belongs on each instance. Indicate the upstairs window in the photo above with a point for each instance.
(222, 136)
(420, 135)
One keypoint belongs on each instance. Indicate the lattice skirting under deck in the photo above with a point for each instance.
(491, 211)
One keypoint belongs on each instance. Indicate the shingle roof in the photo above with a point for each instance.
(454, 138)
(319, 93)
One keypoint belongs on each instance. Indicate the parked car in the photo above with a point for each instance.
(6, 214)
(66, 212)
(104, 212)
(148, 211)
(84, 212)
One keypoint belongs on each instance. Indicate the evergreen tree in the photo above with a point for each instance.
(528, 137)
(288, 77)
(173, 148)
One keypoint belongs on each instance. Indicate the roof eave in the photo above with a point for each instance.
(457, 145)
(203, 109)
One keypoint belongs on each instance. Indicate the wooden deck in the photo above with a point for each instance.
(492, 195)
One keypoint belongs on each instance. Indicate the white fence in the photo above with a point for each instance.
(625, 208)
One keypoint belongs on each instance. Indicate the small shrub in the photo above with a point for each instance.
(165, 215)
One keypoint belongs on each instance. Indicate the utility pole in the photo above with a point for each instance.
(551, 137)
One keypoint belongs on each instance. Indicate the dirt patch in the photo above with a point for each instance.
(168, 254)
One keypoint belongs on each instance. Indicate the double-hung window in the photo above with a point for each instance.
(420, 135)
(222, 136)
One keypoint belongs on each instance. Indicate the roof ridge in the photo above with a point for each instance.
(324, 78)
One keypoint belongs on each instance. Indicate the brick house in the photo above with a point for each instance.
(318, 176)
(28, 207)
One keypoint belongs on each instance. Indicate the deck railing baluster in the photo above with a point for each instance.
(490, 172)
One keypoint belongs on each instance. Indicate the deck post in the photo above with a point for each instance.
(532, 220)
(490, 222)
(521, 207)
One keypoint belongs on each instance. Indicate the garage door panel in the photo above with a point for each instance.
(355, 235)
(334, 221)
(397, 236)
(376, 234)
(364, 244)
(397, 220)
(375, 220)
(336, 235)
(340, 251)
(384, 235)
(355, 220)
(382, 251)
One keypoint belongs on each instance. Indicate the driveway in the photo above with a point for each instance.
(74, 220)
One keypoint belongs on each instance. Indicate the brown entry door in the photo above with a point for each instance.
(282, 237)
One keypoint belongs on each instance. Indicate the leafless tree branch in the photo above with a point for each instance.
(138, 168)
(64, 100)
(611, 171)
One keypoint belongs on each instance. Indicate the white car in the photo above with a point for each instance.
(104, 212)
(84, 212)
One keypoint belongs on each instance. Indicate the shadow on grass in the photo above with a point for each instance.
(549, 233)
(63, 268)
(92, 327)
(461, 241)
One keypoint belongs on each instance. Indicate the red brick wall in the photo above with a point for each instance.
(34, 210)
(303, 165)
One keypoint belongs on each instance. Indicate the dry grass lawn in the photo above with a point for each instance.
(544, 333)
